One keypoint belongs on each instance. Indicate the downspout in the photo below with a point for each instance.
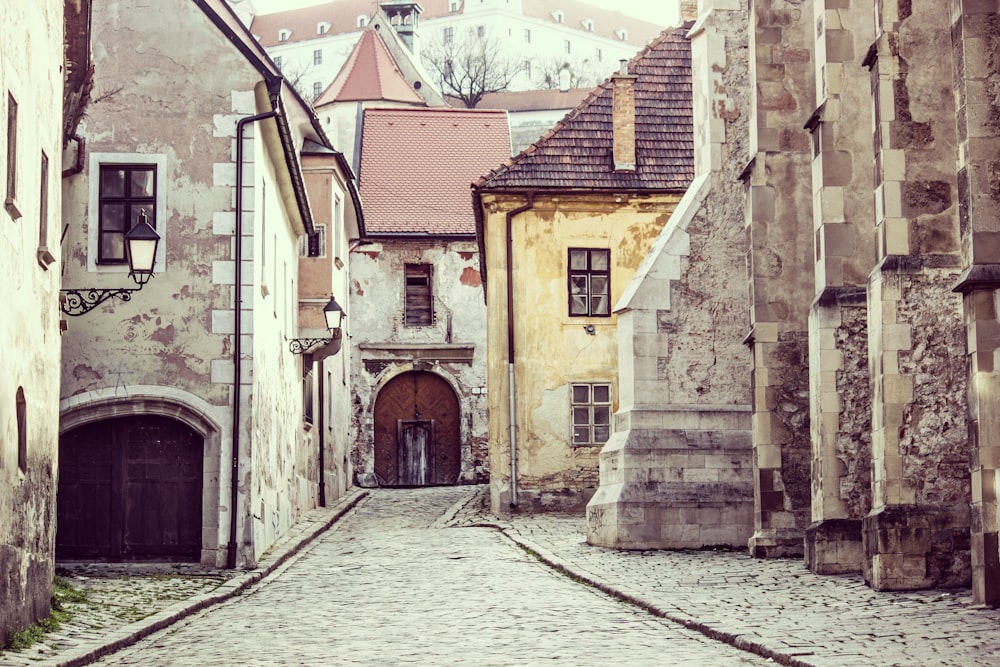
(238, 297)
(511, 392)
(321, 423)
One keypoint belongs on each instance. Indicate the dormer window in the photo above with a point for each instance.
(622, 34)
(284, 34)
(558, 16)
(588, 24)
(362, 20)
(453, 6)
(322, 28)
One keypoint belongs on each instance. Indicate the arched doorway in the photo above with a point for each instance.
(417, 431)
(130, 488)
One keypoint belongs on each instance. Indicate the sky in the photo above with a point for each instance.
(664, 12)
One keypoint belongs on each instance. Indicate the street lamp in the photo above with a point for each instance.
(140, 251)
(334, 315)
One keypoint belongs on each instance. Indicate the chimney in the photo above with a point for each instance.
(689, 11)
(623, 119)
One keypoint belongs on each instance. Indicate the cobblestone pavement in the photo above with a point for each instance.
(777, 607)
(394, 582)
(391, 585)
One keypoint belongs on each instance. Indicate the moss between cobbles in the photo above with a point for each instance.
(62, 595)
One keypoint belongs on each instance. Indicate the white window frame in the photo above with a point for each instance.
(159, 161)
(591, 405)
(284, 34)
(362, 20)
(323, 27)
(304, 243)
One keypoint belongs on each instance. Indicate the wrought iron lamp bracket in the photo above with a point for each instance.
(76, 302)
(305, 345)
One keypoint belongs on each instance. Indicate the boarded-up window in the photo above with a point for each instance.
(418, 309)
(589, 282)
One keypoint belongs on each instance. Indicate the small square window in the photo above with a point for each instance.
(589, 282)
(124, 191)
(591, 409)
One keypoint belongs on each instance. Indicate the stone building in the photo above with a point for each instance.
(678, 469)
(311, 44)
(418, 332)
(182, 421)
(43, 90)
(868, 191)
(563, 226)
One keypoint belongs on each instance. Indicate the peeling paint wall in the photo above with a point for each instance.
(383, 347)
(553, 349)
(29, 359)
(156, 103)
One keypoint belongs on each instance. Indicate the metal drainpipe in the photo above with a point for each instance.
(238, 296)
(321, 431)
(512, 407)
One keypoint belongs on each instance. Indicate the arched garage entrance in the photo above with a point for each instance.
(130, 488)
(417, 431)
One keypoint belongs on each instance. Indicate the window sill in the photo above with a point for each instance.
(11, 205)
(45, 258)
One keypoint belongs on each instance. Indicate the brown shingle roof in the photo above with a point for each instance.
(370, 73)
(417, 163)
(576, 153)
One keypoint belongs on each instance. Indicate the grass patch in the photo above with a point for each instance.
(62, 595)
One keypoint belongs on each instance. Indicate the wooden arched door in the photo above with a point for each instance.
(417, 431)
(130, 488)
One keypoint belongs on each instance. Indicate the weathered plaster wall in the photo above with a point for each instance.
(553, 349)
(159, 102)
(30, 72)
(677, 472)
(842, 190)
(917, 534)
(975, 43)
(384, 347)
(780, 236)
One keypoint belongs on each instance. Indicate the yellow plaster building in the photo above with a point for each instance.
(562, 228)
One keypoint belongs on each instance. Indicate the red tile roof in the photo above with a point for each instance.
(342, 15)
(370, 73)
(416, 166)
(576, 153)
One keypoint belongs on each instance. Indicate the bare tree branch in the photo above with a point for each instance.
(470, 66)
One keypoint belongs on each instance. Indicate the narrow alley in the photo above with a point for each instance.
(390, 585)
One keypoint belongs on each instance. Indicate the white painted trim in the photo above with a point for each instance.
(93, 198)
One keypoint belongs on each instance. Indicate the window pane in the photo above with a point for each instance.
(581, 417)
(112, 182)
(581, 393)
(602, 393)
(141, 183)
(601, 434)
(600, 306)
(133, 219)
(112, 246)
(578, 284)
(602, 415)
(581, 435)
(113, 217)
(599, 285)
(599, 260)
(578, 259)
(578, 305)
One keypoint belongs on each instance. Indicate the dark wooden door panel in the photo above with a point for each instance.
(147, 493)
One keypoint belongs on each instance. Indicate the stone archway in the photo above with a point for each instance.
(130, 488)
(417, 422)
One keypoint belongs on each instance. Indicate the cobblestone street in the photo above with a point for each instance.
(389, 585)
(425, 577)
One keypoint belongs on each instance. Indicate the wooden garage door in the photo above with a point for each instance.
(130, 488)
(417, 431)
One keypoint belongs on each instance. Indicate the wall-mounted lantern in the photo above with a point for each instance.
(334, 315)
(140, 252)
